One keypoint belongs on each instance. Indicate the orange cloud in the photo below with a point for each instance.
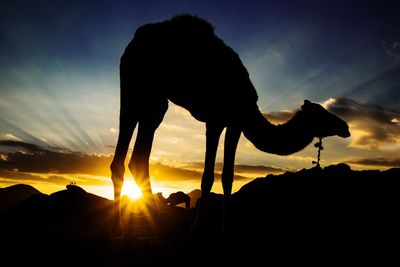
(378, 162)
(372, 126)
(9, 136)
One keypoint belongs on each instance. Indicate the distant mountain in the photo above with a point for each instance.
(71, 209)
(12, 195)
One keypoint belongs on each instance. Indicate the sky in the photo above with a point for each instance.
(59, 86)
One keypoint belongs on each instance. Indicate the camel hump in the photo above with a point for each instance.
(183, 25)
(187, 22)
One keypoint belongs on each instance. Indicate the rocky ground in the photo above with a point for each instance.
(333, 215)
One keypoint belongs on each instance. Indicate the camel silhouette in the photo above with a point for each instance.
(183, 61)
(175, 199)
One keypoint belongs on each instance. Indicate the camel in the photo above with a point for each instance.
(175, 199)
(183, 61)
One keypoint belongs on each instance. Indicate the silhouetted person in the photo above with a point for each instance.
(183, 61)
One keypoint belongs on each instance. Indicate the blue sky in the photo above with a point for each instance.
(59, 84)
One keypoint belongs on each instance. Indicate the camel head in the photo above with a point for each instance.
(322, 122)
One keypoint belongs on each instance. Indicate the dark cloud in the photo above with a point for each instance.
(22, 145)
(31, 148)
(372, 126)
(30, 177)
(112, 147)
(378, 162)
(192, 171)
(37, 159)
(23, 177)
(258, 169)
(198, 167)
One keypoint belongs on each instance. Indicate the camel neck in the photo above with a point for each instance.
(283, 139)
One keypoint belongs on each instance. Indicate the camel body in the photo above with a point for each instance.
(181, 60)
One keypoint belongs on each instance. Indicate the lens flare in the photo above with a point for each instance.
(131, 189)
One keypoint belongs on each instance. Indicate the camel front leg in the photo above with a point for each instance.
(213, 133)
(231, 140)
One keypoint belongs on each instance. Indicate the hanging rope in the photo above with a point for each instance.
(320, 147)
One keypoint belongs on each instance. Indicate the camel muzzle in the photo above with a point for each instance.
(345, 133)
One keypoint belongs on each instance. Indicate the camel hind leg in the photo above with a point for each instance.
(126, 128)
(213, 133)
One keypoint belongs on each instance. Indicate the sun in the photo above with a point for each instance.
(131, 189)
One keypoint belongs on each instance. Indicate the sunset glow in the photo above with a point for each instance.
(132, 190)
(199, 132)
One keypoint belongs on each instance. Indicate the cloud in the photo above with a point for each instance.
(260, 169)
(162, 172)
(36, 159)
(7, 176)
(191, 171)
(34, 163)
(22, 145)
(245, 171)
(393, 49)
(9, 136)
(378, 162)
(30, 177)
(21, 177)
(17, 131)
(372, 126)
(279, 117)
